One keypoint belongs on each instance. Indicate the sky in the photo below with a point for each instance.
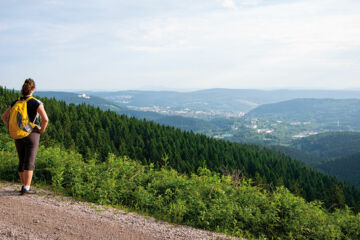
(180, 45)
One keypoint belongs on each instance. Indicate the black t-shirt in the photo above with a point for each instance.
(32, 106)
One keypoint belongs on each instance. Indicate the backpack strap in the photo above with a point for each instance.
(29, 98)
(26, 100)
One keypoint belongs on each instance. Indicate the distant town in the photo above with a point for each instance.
(84, 96)
(188, 112)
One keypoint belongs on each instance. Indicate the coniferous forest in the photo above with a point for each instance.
(95, 133)
(205, 199)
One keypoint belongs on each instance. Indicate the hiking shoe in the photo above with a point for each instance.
(31, 191)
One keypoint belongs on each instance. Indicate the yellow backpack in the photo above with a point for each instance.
(19, 123)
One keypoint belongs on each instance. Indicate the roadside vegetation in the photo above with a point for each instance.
(207, 200)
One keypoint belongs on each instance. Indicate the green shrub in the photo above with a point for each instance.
(205, 200)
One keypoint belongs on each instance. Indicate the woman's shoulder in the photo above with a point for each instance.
(35, 99)
(35, 102)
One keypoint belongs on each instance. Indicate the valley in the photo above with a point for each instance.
(280, 126)
(201, 180)
(234, 115)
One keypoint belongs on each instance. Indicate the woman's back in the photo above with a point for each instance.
(32, 106)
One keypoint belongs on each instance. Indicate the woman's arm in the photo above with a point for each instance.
(44, 118)
(5, 116)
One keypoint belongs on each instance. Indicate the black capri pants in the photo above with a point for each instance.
(27, 149)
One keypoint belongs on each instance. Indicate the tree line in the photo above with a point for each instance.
(95, 133)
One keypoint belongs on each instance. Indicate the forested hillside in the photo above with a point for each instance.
(332, 114)
(334, 153)
(329, 145)
(204, 199)
(95, 133)
(69, 97)
(295, 153)
(184, 123)
(345, 168)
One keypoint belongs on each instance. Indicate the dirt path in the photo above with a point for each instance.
(44, 216)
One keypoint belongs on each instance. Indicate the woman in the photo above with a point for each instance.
(27, 147)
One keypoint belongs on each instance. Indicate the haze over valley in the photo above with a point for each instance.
(279, 118)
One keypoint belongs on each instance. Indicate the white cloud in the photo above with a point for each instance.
(250, 2)
(271, 32)
(228, 3)
(233, 4)
(290, 43)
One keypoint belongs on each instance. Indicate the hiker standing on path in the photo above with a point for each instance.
(24, 128)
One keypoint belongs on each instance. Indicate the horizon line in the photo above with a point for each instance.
(189, 89)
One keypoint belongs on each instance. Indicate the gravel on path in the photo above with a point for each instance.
(47, 216)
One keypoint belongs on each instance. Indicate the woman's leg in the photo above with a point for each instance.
(27, 177)
(21, 175)
(32, 145)
(20, 148)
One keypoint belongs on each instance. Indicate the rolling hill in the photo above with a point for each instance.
(226, 100)
(184, 123)
(329, 145)
(332, 114)
(346, 168)
(334, 153)
(95, 133)
(75, 98)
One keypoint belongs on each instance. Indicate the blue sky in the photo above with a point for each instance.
(197, 44)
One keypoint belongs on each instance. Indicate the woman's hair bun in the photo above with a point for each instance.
(27, 87)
